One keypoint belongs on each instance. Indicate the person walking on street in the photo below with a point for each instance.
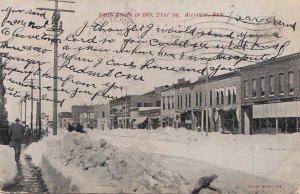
(16, 132)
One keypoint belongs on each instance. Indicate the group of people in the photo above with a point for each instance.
(77, 128)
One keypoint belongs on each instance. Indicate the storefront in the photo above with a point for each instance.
(273, 118)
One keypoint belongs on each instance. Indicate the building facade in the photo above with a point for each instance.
(83, 114)
(183, 104)
(271, 96)
(217, 103)
(120, 108)
(145, 117)
(168, 111)
(101, 113)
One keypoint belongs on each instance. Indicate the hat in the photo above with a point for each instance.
(17, 120)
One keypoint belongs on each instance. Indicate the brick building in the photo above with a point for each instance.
(216, 104)
(270, 97)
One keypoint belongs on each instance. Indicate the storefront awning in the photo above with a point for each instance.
(139, 120)
(277, 110)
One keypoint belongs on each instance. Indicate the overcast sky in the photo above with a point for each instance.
(89, 10)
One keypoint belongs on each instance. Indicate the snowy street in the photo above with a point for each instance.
(163, 160)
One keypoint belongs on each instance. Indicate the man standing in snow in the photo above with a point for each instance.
(16, 132)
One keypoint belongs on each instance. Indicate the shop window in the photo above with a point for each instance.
(262, 87)
(246, 89)
(291, 82)
(281, 84)
(197, 99)
(271, 86)
(254, 88)
(229, 97)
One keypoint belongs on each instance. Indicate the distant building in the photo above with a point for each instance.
(145, 117)
(83, 114)
(101, 113)
(64, 119)
(120, 108)
(271, 96)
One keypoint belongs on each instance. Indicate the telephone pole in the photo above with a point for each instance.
(31, 116)
(40, 102)
(125, 108)
(208, 103)
(55, 29)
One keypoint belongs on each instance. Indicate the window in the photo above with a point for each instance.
(210, 97)
(262, 86)
(139, 104)
(281, 83)
(254, 88)
(169, 107)
(246, 89)
(172, 102)
(190, 99)
(229, 97)
(197, 99)
(186, 101)
(181, 101)
(271, 82)
(178, 101)
(233, 97)
(218, 97)
(157, 103)
(103, 114)
(222, 97)
(163, 103)
(291, 82)
(200, 98)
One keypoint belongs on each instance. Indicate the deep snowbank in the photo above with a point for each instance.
(75, 163)
(271, 156)
(8, 167)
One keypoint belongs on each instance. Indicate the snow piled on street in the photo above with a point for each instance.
(155, 161)
(7, 164)
(94, 166)
(271, 156)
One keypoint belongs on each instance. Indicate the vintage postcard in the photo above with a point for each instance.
(137, 96)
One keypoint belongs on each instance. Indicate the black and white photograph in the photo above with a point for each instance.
(138, 96)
